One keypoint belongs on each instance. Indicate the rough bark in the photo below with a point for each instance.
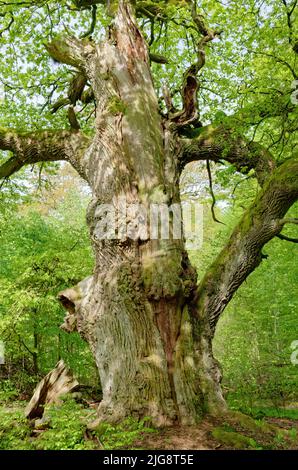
(217, 143)
(43, 146)
(133, 311)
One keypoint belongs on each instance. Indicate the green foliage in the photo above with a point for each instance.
(67, 428)
(233, 439)
(42, 249)
(123, 435)
(8, 391)
(14, 430)
(256, 331)
(273, 412)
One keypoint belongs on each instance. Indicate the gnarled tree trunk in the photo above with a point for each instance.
(148, 323)
(137, 310)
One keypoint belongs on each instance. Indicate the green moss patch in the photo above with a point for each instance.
(234, 439)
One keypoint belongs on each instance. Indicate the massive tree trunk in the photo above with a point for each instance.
(148, 323)
(137, 311)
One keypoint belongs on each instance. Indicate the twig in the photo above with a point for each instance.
(288, 239)
(93, 23)
(212, 193)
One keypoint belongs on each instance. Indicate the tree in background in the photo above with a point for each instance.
(41, 253)
(148, 322)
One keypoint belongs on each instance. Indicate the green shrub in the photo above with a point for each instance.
(67, 429)
(15, 430)
(8, 391)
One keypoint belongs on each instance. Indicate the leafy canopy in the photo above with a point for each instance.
(249, 72)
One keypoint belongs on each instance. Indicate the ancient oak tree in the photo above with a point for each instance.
(148, 320)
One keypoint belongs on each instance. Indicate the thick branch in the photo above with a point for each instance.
(190, 111)
(221, 143)
(93, 23)
(71, 51)
(243, 252)
(42, 146)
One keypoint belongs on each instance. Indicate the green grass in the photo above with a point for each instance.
(123, 435)
(268, 412)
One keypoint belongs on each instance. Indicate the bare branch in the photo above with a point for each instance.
(212, 193)
(159, 59)
(93, 23)
(190, 112)
(288, 239)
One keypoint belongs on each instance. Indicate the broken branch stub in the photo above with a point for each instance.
(55, 384)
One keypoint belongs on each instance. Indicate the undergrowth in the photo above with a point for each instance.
(65, 428)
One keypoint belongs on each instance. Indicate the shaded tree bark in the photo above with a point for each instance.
(43, 146)
(148, 323)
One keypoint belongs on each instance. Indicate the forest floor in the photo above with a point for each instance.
(182, 438)
(214, 434)
(234, 431)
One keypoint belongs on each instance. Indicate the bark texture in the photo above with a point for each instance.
(49, 146)
(56, 383)
(134, 310)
